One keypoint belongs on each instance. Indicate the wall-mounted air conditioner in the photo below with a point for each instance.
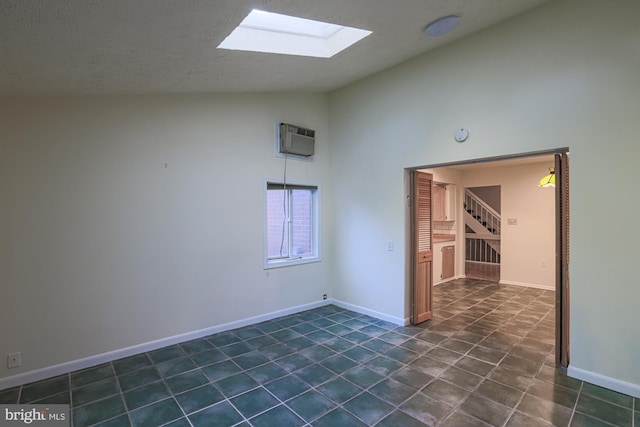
(296, 140)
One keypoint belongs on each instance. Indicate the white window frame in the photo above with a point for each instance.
(315, 224)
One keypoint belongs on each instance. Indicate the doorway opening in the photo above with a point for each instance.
(552, 258)
(483, 228)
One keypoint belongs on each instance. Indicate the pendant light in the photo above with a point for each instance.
(548, 180)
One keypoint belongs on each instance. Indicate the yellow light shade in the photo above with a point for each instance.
(548, 180)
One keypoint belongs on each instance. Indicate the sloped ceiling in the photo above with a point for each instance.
(169, 46)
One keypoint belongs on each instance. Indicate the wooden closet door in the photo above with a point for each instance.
(448, 261)
(422, 246)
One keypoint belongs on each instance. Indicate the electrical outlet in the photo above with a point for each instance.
(13, 360)
(324, 296)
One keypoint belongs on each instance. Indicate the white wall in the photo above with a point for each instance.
(564, 74)
(489, 195)
(528, 248)
(102, 247)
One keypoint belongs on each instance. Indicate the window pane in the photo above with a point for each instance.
(277, 235)
(291, 225)
(301, 222)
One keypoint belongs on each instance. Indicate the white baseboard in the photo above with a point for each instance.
(87, 362)
(393, 319)
(604, 381)
(459, 276)
(527, 285)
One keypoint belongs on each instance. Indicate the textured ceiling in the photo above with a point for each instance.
(169, 46)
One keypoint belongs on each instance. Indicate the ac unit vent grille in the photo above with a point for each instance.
(306, 132)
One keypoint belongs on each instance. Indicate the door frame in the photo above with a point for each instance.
(562, 259)
(562, 246)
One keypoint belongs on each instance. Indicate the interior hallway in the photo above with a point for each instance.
(485, 359)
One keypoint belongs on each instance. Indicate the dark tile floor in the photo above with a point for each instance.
(486, 358)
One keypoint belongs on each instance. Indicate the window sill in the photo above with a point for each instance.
(277, 263)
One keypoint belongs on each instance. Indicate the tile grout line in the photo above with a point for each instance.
(575, 405)
(124, 402)
(70, 400)
(524, 393)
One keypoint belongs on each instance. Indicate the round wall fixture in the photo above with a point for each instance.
(462, 134)
(442, 26)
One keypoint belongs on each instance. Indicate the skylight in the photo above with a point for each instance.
(270, 32)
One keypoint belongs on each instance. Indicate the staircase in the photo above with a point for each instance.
(482, 238)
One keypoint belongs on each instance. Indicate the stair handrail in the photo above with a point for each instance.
(482, 202)
(487, 213)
